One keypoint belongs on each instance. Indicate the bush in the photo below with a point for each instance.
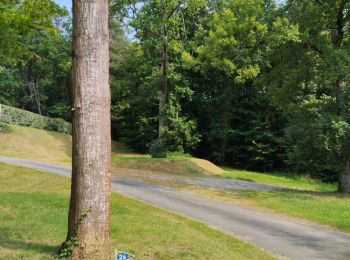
(11, 115)
(158, 149)
(4, 128)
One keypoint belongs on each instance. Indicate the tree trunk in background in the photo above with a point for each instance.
(344, 179)
(90, 193)
(341, 89)
(342, 101)
(164, 86)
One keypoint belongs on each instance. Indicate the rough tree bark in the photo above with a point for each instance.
(90, 191)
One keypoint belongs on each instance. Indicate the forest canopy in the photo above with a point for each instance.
(254, 84)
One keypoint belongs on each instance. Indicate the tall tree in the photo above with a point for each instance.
(161, 28)
(229, 52)
(310, 80)
(34, 54)
(90, 193)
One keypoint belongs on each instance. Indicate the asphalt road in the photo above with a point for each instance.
(281, 236)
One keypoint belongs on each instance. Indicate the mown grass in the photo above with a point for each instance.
(168, 165)
(330, 209)
(37, 145)
(173, 156)
(324, 208)
(33, 216)
(291, 181)
(55, 148)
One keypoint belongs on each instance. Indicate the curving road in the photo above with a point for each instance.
(279, 235)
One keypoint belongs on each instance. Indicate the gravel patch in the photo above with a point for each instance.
(231, 184)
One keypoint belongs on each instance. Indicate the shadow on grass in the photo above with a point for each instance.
(141, 158)
(33, 247)
(247, 194)
(245, 179)
(334, 194)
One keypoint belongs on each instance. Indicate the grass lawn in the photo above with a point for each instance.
(175, 163)
(280, 179)
(329, 209)
(37, 145)
(33, 216)
(169, 165)
(55, 148)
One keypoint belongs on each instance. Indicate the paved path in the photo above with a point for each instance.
(281, 236)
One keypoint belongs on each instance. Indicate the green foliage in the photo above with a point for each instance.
(237, 124)
(157, 24)
(20, 117)
(34, 55)
(206, 102)
(59, 109)
(319, 138)
(258, 84)
(4, 128)
(309, 81)
(67, 247)
(134, 98)
(158, 148)
(20, 20)
(239, 37)
(179, 133)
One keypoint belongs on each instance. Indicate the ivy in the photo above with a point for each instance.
(68, 246)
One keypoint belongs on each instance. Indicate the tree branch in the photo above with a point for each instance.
(172, 11)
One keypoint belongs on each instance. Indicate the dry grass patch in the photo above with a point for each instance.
(36, 145)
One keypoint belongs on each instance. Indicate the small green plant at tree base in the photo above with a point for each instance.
(158, 148)
(67, 247)
(4, 128)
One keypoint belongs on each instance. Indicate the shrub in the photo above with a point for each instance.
(4, 128)
(158, 149)
(11, 115)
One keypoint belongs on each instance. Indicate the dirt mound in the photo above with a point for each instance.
(207, 165)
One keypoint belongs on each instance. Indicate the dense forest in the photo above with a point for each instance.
(254, 84)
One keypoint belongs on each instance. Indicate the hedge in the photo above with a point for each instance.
(4, 128)
(15, 116)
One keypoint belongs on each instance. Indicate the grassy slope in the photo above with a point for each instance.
(37, 145)
(171, 165)
(33, 223)
(55, 148)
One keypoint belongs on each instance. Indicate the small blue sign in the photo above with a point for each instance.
(123, 256)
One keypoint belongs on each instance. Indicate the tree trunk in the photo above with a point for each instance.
(90, 192)
(342, 96)
(342, 101)
(344, 179)
(164, 86)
